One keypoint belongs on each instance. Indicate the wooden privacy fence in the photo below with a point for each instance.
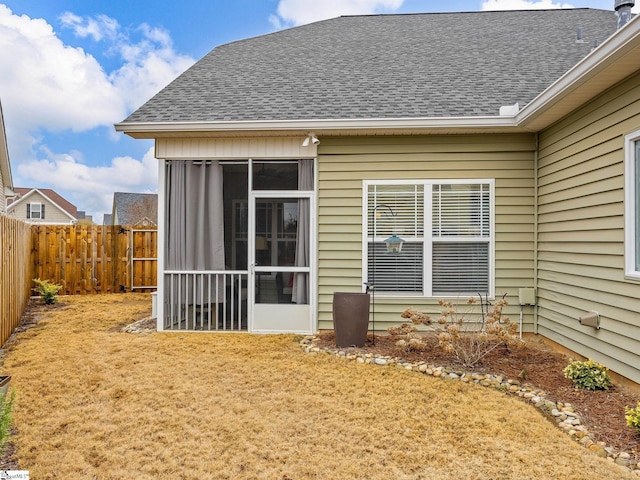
(89, 259)
(16, 271)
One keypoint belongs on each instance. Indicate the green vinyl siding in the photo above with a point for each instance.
(344, 163)
(581, 231)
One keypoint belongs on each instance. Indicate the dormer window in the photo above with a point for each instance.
(35, 210)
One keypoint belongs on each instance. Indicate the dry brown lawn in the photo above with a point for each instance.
(96, 403)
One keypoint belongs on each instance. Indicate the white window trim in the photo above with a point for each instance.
(428, 253)
(630, 214)
(31, 205)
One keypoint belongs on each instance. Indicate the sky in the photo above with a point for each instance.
(71, 69)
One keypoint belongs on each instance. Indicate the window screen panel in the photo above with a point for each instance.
(393, 272)
(396, 209)
(460, 268)
(461, 210)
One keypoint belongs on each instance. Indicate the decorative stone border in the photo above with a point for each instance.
(563, 413)
(141, 326)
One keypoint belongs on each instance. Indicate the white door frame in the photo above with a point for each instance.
(281, 318)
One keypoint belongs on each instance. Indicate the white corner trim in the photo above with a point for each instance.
(630, 213)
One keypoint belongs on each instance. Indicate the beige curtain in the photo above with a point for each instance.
(194, 219)
(300, 290)
(195, 216)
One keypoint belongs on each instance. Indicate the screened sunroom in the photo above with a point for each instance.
(236, 237)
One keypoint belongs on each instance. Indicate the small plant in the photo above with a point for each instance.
(47, 289)
(632, 415)
(6, 410)
(589, 375)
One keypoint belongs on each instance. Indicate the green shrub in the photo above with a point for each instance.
(6, 409)
(48, 290)
(589, 375)
(633, 417)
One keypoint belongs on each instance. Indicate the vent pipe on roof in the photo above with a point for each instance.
(623, 11)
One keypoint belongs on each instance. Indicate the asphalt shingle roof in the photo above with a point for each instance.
(384, 66)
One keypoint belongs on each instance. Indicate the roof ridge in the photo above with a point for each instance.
(468, 12)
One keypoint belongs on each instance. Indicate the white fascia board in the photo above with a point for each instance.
(611, 50)
(318, 125)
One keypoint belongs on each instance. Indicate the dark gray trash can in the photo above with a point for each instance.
(350, 318)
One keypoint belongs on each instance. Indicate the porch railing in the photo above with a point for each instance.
(205, 300)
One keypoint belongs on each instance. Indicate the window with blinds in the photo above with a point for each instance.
(632, 205)
(445, 253)
(636, 215)
(35, 210)
(396, 210)
(461, 233)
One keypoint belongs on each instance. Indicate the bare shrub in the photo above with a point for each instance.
(466, 335)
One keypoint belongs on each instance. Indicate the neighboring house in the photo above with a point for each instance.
(42, 206)
(6, 181)
(502, 147)
(106, 219)
(135, 209)
(84, 219)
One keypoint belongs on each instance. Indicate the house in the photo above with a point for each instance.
(6, 181)
(501, 147)
(84, 219)
(135, 209)
(42, 206)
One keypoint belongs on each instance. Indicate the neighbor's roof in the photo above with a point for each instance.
(131, 208)
(384, 66)
(53, 196)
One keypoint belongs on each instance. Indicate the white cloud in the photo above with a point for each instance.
(148, 63)
(299, 12)
(148, 66)
(57, 87)
(50, 86)
(523, 5)
(97, 28)
(89, 188)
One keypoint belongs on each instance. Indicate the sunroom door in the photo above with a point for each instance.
(281, 266)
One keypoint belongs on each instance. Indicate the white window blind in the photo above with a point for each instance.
(460, 212)
(453, 258)
(396, 210)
